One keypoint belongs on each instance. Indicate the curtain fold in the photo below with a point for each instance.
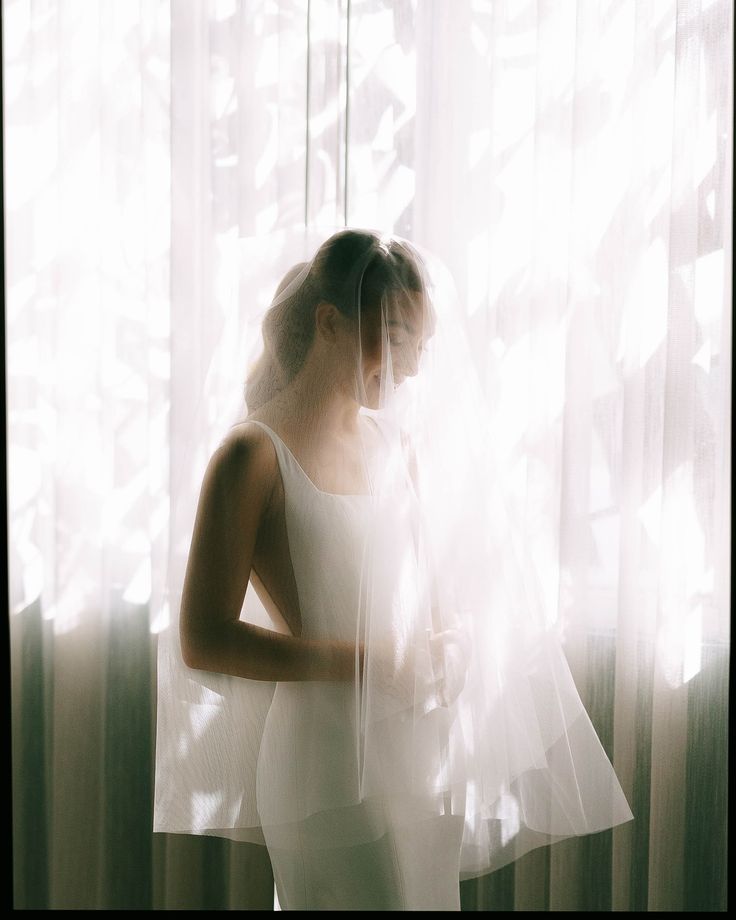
(572, 165)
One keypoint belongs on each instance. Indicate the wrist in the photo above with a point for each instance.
(342, 660)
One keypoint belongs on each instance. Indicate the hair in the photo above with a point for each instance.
(354, 270)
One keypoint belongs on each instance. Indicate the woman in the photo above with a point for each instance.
(421, 726)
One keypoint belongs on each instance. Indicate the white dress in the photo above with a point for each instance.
(363, 803)
(327, 854)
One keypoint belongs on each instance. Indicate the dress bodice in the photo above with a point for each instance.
(326, 536)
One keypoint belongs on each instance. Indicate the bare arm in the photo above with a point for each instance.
(235, 493)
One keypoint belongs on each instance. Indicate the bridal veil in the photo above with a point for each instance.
(465, 704)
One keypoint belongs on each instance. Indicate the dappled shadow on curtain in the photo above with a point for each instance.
(571, 163)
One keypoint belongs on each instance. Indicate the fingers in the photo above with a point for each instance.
(425, 676)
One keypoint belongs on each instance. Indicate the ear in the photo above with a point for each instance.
(327, 320)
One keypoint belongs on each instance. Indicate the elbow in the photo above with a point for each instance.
(191, 657)
(193, 652)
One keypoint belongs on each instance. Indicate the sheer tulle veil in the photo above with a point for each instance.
(465, 704)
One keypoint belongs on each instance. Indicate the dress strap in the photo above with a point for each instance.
(288, 464)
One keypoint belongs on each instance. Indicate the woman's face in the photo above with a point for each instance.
(404, 317)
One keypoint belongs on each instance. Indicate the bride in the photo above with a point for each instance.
(406, 720)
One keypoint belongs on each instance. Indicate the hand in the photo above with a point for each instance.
(428, 676)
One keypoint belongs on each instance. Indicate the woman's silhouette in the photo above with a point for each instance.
(422, 726)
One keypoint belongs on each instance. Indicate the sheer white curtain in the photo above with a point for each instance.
(572, 164)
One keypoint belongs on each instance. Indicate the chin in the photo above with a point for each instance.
(371, 403)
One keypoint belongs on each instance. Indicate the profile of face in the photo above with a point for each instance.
(400, 324)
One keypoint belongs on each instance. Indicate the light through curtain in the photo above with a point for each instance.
(572, 164)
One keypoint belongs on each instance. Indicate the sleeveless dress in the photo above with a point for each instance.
(362, 803)
(338, 856)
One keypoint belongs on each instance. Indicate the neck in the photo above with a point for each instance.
(320, 403)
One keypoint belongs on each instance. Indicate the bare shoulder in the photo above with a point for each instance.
(248, 437)
(246, 458)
